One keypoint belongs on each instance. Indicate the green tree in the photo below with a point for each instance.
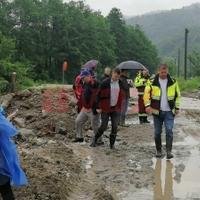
(194, 58)
(118, 30)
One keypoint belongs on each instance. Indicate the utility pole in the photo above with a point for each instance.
(186, 44)
(179, 61)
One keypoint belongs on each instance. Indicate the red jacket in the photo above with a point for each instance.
(103, 99)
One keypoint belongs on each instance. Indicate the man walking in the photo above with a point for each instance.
(162, 99)
(109, 101)
(141, 81)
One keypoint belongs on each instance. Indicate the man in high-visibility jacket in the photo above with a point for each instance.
(162, 99)
(141, 81)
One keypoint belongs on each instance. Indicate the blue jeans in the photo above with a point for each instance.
(167, 118)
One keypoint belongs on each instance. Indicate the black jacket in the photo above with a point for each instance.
(88, 97)
(125, 85)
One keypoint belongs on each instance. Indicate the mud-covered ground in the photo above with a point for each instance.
(59, 169)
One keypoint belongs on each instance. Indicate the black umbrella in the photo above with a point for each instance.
(132, 65)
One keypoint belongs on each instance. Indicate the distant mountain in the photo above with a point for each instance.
(166, 28)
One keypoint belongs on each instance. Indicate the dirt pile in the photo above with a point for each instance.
(52, 170)
(45, 119)
(46, 111)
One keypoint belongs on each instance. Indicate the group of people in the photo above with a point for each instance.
(99, 101)
(107, 99)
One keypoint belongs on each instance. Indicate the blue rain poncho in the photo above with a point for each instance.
(9, 160)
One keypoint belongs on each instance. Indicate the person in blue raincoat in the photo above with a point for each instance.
(11, 174)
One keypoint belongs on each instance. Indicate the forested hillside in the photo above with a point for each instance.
(36, 36)
(166, 29)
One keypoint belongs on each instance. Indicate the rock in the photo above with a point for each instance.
(60, 128)
(20, 122)
(29, 115)
(51, 142)
(6, 100)
(25, 93)
(26, 132)
(44, 114)
(24, 105)
(125, 143)
(37, 141)
(138, 185)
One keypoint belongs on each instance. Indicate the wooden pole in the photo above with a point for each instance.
(13, 82)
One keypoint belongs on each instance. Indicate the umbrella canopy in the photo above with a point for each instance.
(132, 65)
(91, 64)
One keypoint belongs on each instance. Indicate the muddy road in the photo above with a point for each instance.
(131, 171)
(61, 170)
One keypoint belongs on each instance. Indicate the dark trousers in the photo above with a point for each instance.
(104, 124)
(6, 191)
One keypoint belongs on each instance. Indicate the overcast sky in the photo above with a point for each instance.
(137, 7)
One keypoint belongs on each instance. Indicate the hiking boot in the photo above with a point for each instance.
(76, 140)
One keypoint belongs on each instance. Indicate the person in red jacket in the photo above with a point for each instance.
(88, 100)
(109, 103)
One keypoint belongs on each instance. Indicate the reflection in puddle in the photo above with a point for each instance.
(177, 179)
(163, 189)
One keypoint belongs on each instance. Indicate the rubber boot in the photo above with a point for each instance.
(145, 120)
(95, 139)
(169, 141)
(112, 141)
(141, 119)
(158, 144)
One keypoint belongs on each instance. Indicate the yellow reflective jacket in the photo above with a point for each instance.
(152, 95)
(140, 83)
